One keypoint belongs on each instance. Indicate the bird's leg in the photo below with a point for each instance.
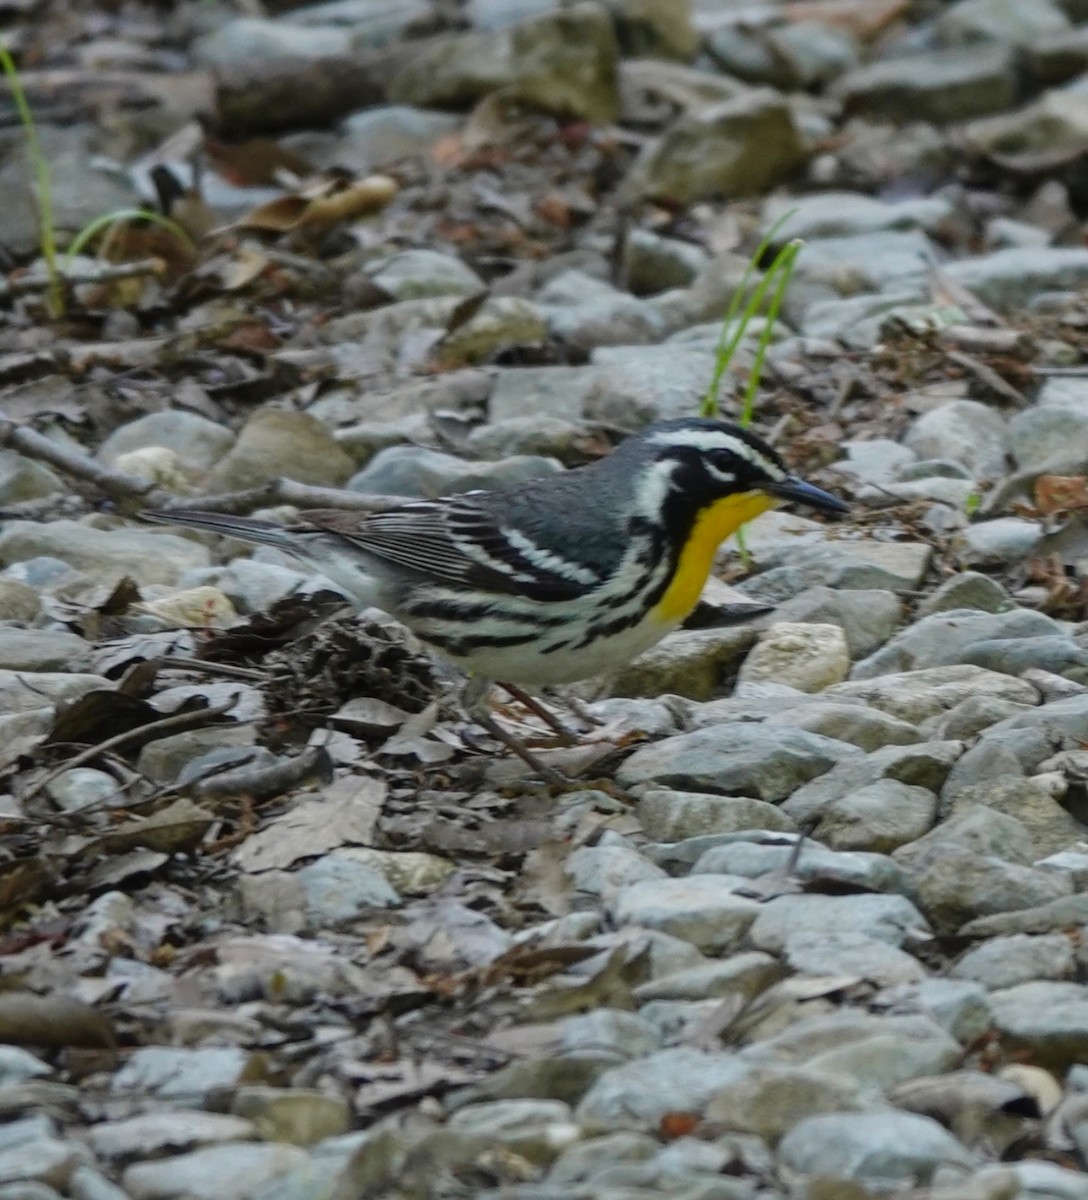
(543, 712)
(474, 701)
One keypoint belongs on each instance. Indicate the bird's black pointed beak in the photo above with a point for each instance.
(798, 492)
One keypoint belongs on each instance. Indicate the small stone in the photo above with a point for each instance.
(969, 590)
(769, 1101)
(157, 1134)
(22, 479)
(879, 818)
(18, 602)
(883, 1148)
(84, 787)
(42, 650)
(966, 431)
(247, 39)
(414, 274)
(867, 728)
(164, 759)
(300, 1116)
(275, 442)
(760, 853)
(740, 147)
(807, 657)
(701, 909)
(916, 695)
(867, 616)
(1004, 962)
(741, 759)
(233, 1171)
(809, 952)
(938, 86)
(105, 555)
(890, 919)
(603, 872)
(998, 542)
(178, 1073)
(25, 691)
(537, 1130)
(690, 663)
(744, 975)
(197, 442)
(1048, 1021)
(45, 1160)
(1004, 21)
(415, 471)
(670, 816)
(1008, 279)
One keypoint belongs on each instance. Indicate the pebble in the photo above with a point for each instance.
(196, 441)
(231, 1171)
(765, 761)
(890, 1149)
(1047, 1020)
(275, 442)
(1004, 962)
(417, 471)
(671, 816)
(702, 909)
(890, 919)
(804, 656)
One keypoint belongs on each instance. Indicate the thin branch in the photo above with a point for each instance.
(175, 723)
(117, 484)
(282, 491)
(20, 285)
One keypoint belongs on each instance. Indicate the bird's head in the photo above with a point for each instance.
(694, 463)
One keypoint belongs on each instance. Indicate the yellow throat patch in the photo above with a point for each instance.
(712, 526)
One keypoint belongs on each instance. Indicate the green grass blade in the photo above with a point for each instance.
(108, 220)
(47, 234)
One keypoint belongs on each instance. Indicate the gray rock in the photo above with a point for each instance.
(945, 639)
(701, 909)
(557, 392)
(670, 816)
(338, 888)
(879, 818)
(232, 1171)
(42, 650)
(885, 261)
(246, 39)
(770, 1101)
(22, 478)
(760, 853)
(377, 136)
(886, 1150)
(1034, 802)
(419, 273)
(652, 263)
(275, 442)
(842, 214)
(639, 1094)
(1036, 1181)
(18, 602)
(638, 384)
(88, 1184)
(45, 1160)
(744, 975)
(1008, 279)
(994, 835)
(968, 590)
(925, 765)
(916, 695)
(602, 872)
(24, 692)
(807, 657)
(1005, 962)
(867, 728)
(164, 759)
(965, 431)
(105, 555)
(891, 919)
(738, 147)
(82, 186)
(1042, 432)
(251, 586)
(999, 542)
(604, 321)
(196, 441)
(1047, 1020)
(766, 761)
(958, 1006)
(1002, 21)
(156, 1134)
(939, 86)
(875, 461)
(300, 1116)
(870, 565)
(809, 952)
(859, 322)
(416, 471)
(970, 717)
(180, 1074)
(84, 787)
(622, 1036)
(868, 617)
(18, 1065)
(958, 885)
(983, 1111)
(690, 663)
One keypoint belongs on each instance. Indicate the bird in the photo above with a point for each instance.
(558, 579)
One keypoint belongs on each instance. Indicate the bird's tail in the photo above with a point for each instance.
(248, 529)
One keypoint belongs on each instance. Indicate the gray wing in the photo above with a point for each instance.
(458, 541)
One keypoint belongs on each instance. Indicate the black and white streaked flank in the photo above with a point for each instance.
(549, 581)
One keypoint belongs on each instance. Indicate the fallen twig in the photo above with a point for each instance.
(264, 782)
(21, 285)
(117, 484)
(282, 491)
(175, 723)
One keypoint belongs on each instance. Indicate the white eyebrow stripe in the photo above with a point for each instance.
(709, 439)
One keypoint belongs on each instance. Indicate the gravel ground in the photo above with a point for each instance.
(278, 923)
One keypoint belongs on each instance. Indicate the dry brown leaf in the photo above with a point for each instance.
(321, 206)
(864, 18)
(1061, 493)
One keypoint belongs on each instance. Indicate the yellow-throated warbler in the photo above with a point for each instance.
(555, 580)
